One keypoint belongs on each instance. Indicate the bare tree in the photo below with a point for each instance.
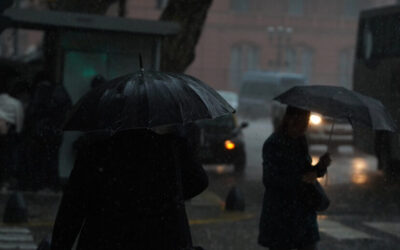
(179, 51)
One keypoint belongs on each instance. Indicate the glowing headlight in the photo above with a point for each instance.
(315, 119)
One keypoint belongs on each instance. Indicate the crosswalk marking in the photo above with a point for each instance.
(387, 227)
(341, 232)
(19, 246)
(207, 198)
(7, 230)
(16, 238)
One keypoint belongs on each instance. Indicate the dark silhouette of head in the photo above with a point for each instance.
(41, 76)
(97, 81)
(295, 121)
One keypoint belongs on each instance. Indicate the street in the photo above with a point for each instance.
(364, 211)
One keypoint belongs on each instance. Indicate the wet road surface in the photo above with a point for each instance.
(364, 211)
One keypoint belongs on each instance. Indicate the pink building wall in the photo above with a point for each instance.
(323, 29)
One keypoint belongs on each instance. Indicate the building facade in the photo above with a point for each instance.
(311, 37)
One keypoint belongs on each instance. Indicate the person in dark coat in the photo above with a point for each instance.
(128, 192)
(43, 134)
(286, 221)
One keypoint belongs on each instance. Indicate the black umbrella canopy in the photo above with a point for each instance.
(340, 103)
(146, 99)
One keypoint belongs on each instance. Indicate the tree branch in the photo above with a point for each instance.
(178, 52)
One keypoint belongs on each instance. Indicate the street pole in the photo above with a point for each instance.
(122, 8)
(15, 34)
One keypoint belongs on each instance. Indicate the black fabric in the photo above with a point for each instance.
(123, 194)
(314, 196)
(146, 100)
(286, 222)
(42, 137)
(340, 103)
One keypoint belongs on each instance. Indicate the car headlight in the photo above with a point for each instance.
(315, 119)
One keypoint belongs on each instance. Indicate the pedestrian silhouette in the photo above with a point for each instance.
(127, 192)
(287, 220)
(43, 135)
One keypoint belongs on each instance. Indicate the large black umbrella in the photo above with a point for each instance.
(146, 99)
(340, 103)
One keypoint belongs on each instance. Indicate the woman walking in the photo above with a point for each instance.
(287, 222)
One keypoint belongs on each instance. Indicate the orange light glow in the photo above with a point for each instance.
(359, 167)
(229, 145)
(315, 160)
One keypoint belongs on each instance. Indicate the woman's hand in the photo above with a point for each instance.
(310, 177)
(325, 160)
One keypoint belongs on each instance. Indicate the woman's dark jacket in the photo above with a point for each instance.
(124, 193)
(286, 222)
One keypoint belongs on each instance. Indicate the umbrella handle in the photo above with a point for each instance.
(330, 135)
(141, 62)
(327, 150)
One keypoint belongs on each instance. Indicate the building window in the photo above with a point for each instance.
(299, 60)
(351, 8)
(345, 68)
(240, 5)
(161, 4)
(307, 56)
(244, 57)
(291, 60)
(296, 7)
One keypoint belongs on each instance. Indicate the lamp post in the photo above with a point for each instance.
(281, 36)
(122, 8)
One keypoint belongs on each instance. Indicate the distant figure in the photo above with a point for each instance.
(88, 138)
(97, 81)
(46, 113)
(286, 221)
(11, 121)
(127, 192)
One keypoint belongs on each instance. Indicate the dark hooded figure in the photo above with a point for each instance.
(127, 192)
(42, 136)
(286, 221)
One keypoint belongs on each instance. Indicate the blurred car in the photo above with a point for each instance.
(320, 128)
(221, 142)
(258, 88)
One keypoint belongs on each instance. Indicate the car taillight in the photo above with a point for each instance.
(229, 145)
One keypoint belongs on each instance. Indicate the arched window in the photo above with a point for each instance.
(346, 58)
(307, 61)
(291, 60)
(299, 59)
(351, 8)
(161, 4)
(244, 57)
(240, 5)
(296, 7)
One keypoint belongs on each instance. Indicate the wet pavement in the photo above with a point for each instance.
(364, 211)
